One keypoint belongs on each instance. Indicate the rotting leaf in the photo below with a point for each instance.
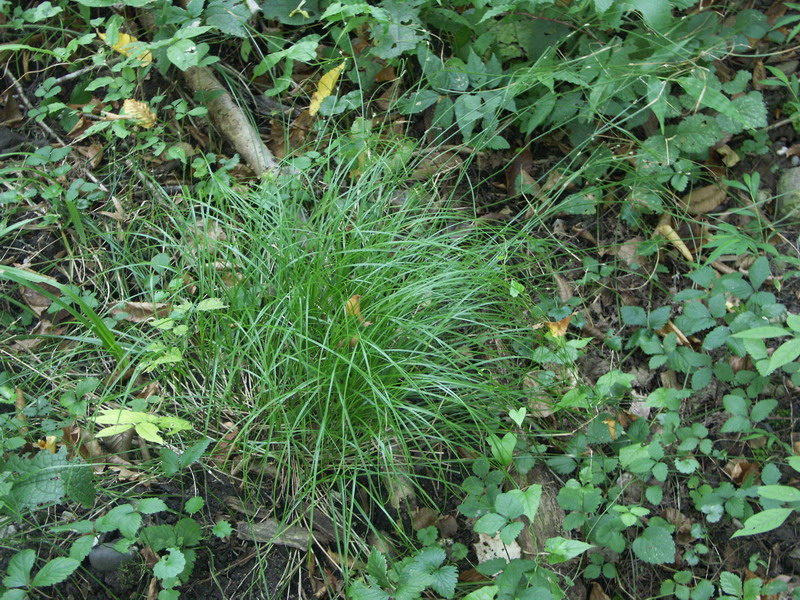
(559, 328)
(597, 592)
(729, 156)
(324, 88)
(704, 199)
(741, 469)
(665, 230)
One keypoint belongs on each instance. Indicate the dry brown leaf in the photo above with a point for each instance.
(670, 327)
(438, 163)
(672, 236)
(324, 88)
(704, 199)
(612, 427)
(386, 74)
(741, 469)
(12, 115)
(139, 312)
(423, 517)
(43, 329)
(759, 74)
(597, 592)
(140, 113)
(35, 300)
(728, 154)
(559, 328)
(537, 406)
(93, 152)
(564, 287)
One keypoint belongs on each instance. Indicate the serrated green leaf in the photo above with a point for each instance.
(222, 529)
(378, 569)
(18, 572)
(510, 532)
(150, 506)
(487, 592)
(210, 304)
(193, 505)
(759, 271)
(229, 16)
(762, 409)
(508, 506)
(697, 133)
(730, 583)
(766, 520)
(55, 571)
(655, 546)
(187, 532)
(444, 581)
(704, 95)
(358, 591)
(736, 405)
(170, 565)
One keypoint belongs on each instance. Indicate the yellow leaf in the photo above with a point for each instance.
(352, 307)
(124, 46)
(140, 112)
(48, 443)
(559, 328)
(324, 88)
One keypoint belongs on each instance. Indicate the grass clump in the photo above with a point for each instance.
(357, 336)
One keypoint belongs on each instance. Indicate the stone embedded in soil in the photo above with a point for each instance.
(788, 192)
(104, 558)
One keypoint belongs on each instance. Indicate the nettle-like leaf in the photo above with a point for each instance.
(229, 16)
(696, 134)
(655, 545)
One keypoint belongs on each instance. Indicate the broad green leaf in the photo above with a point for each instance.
(759, 271)
(508, 506)
(149, 432)
(529, 498)
(703, 94)
(222, 529)
(782, 493)
(656, 13)
(18, 573)
(510, 532)
(655, 546)
(730, 583)
(766, 520)
(487, 592)
(784, 354)
(467, 111)
(445, 580)
(229, 16)
(184, 54)
(210, 304)
(560, 549)
(377, 568)
(193, 505)
(794, 462)
(170, 565)
(490, 524)
(55, 571)
(150, 506)
(761, 333)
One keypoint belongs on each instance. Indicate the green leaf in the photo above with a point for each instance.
(655, 546)
(187, 532)
(444, 581)
(794, 462)
(761, 333)
(150, 506)
(15, 594)
(487, 592)
(286, 11)
(633, 315)
(222, 529)
(784, 354)
(762, 410)
(490, 524)
(766, 520)
(508, 506)
(702, 93)
(18, 573)
(759, 271)
(55, 571)
(210, 304)
(170, 565)
(560, 549)
(378, 569)
(468, 111)
(149, 432)
(229, 16)
(656, 13)
(183, 54)
(697, 133)
(418, 102)
(529, 498)
(193, 505)
(749, 112)
(170, 461)
(503, 449)
(510, 532)
(782, 493)
(730, 583)
(736, 405)
(358, 591)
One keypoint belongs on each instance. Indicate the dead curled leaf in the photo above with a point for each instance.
(139, 312)
(324, 88)
(740, 469)
(665, 230)
(140, 113)
(704, 199)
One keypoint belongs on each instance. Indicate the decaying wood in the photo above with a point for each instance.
(230, 119)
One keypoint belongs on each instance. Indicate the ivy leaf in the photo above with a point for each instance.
(55, 571)
(655, 546)
(766, 520)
